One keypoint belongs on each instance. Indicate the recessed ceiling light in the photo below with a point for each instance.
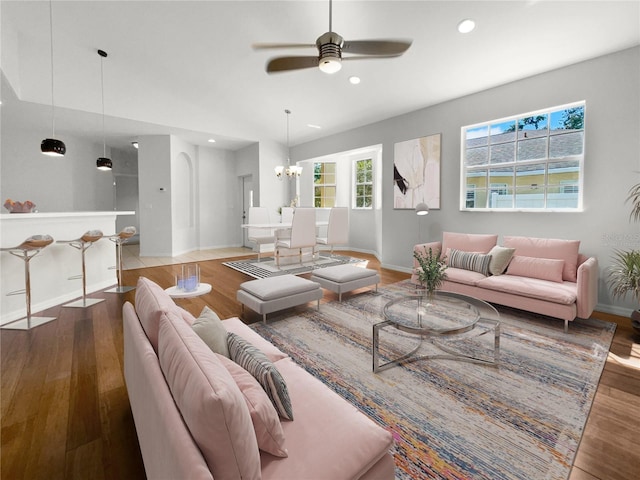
(310, 125)
(211, 140)
(466, 26)
(354, 80)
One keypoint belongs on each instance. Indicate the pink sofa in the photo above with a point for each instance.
(545, 276)
(195, 418)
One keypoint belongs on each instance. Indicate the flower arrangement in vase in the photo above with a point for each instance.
(432, 271)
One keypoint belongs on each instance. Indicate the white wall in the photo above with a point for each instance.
(220, 210)
(154, 182)
(54, 184)
(609, 85)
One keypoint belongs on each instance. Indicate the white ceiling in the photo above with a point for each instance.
(188, 68)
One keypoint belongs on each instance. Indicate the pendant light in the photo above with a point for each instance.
(290, 171)
(52, 146)
(103, 163)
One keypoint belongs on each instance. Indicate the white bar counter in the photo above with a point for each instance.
(52, 267)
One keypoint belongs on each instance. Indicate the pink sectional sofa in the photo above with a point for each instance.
(546, 276)
(199, 415)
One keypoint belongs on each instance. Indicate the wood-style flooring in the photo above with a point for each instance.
(65, 411)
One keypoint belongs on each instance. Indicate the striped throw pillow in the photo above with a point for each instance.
(476, 262)
(263, 370)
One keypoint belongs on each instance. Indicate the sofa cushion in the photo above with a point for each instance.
(209, 400)
(476, 262)
(460, 275)
(468, 242)
(265, 419)
(542, 268)
(558, 249)
(209, 328)
(563, 293)
(500, 258)
(151, 301)
(263, 370)
(331, 436)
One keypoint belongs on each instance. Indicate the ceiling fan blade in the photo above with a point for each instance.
(282, 64)
(265, 46)
(376, 47)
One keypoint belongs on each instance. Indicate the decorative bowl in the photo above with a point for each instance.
(19, 207)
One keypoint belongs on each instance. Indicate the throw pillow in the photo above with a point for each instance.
(263, 414)
(209, 328)
(257, 364)
(209, 401)
(500, 258)
(476, 262)
(542, 268)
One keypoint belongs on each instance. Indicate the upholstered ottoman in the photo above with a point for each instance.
(344, 278)
(277, 293)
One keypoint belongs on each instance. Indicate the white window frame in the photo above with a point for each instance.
(334, 184)
(466, 194)
(356, 184)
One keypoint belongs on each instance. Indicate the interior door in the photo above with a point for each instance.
(246, 186)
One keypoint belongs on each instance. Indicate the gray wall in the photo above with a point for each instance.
(608, 84)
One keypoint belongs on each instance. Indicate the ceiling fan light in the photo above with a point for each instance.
(104, 164)
(53, 147)
(330, 65)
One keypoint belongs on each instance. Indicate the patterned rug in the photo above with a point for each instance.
(452, 419)
(266, 267)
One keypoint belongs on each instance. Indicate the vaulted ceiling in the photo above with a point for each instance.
(188, 67)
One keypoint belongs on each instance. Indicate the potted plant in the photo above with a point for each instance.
(432, 270)
(624, 274)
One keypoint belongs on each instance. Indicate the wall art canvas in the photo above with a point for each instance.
(416, 172)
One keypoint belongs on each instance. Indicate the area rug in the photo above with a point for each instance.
(266, 267)
(456, 420)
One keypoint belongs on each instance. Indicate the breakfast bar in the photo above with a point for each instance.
(51, 269)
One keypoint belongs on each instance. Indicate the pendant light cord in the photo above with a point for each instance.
(53, 116)
(288, 159)
(104, 146)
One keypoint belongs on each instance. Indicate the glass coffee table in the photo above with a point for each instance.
(442, 319)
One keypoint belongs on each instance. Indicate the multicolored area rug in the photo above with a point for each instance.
(452, 419)
(266, 267)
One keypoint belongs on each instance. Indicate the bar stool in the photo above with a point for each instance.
(82, 244)
(119, 239)
(26, 251)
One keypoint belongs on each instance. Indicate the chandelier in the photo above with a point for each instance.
(290, 170)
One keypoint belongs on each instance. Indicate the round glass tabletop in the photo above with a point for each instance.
(444, 312)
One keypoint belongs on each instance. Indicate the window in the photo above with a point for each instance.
(528, 162)
(324, 185)
(363, 184)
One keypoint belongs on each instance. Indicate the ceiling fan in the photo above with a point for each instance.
(330, 47)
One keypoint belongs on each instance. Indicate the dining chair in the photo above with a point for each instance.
(337, 229)
(286, 216)
(260, 236)
(303, 233)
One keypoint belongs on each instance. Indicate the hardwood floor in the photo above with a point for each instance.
(65, 411)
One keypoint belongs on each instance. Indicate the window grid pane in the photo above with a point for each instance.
(535, 161)
(363, 186)
(324, 181)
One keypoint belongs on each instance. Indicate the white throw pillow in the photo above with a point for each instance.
(500, 258)
(209, 328)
